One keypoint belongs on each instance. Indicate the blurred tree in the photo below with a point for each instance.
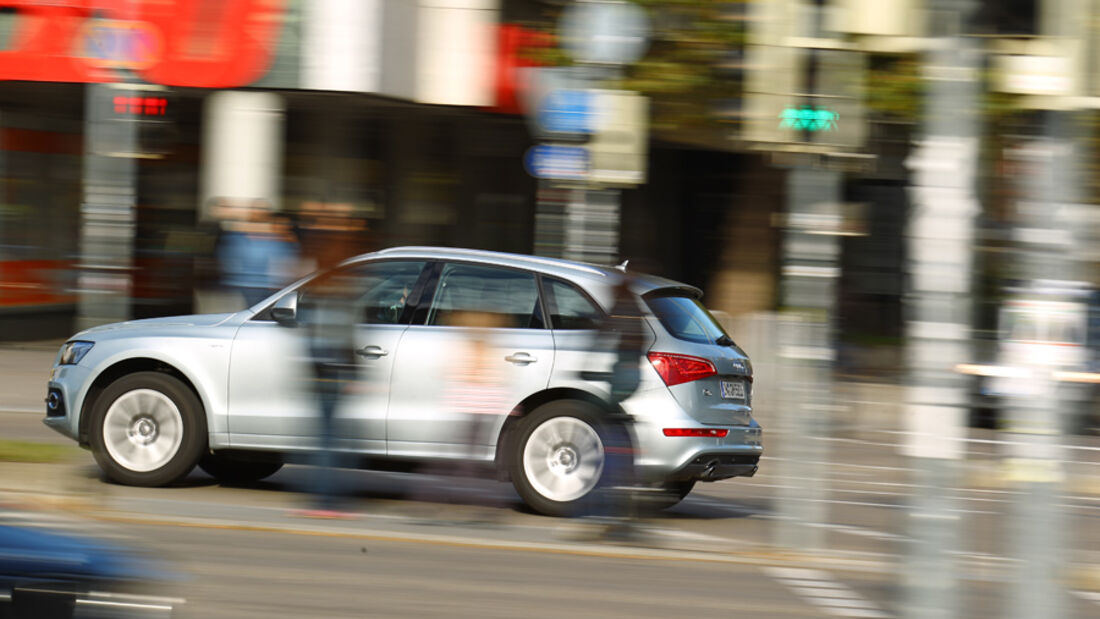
(894, 88)
(694, 70)
(691, 71)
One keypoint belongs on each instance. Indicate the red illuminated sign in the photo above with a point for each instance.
(170, 42)
(140, 106)
(514, 42)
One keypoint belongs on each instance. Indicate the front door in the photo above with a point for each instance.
(270, 391)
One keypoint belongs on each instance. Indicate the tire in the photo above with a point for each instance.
(558, 459)
(238, 471)
(147, 429)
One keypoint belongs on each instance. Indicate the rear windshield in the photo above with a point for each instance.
(685, 318)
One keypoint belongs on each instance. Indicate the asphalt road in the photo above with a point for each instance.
(252, 574)
(414, 552)
(418, 548)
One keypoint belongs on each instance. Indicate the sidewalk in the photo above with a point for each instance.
(70, 496)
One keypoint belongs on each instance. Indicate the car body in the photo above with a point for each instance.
(1045, 347)
(240, 375)
(45, 573)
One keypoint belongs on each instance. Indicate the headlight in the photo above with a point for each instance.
(73, 352)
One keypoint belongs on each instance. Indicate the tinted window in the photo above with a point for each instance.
(685, 318)
(508, 298)
(381, 289)
(570, 308)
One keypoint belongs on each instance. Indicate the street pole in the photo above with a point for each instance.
(809, 277)
(108, 210)
(811, 273)
(941, 236)
(1035, 420)
(579, 218)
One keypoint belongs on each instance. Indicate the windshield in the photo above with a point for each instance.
(685, 318)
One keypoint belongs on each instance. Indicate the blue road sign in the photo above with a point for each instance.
(557, 162)
(567, 111)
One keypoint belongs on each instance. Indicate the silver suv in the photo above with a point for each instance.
(153, 398)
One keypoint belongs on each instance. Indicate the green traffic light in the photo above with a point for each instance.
(807, 118)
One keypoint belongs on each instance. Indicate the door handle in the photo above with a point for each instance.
(372, 351)
(521, 358)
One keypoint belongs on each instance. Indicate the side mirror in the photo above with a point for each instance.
(285, 310)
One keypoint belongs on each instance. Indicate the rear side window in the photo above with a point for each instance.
(508, 298)
(685, 318)
(570, 308)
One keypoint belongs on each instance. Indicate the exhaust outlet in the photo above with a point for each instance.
(708, 472)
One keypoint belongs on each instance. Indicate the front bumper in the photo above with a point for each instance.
(64, 395)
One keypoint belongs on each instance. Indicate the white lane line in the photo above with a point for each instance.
(989, 441)
(819, 589)
(870, 467)
(1091, 596)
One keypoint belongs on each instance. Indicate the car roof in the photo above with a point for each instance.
(580, 272)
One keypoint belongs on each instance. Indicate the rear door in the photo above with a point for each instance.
(490, 313)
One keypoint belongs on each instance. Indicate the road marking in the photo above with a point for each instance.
(1091, 596)
(989, 441)
(819, 589)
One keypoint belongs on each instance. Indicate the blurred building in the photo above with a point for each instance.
(414, 111)
(408, 110)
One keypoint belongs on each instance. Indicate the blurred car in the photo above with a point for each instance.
(151, 398)
(1047, 346)
(50, 575)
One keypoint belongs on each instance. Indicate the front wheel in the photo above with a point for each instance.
(147, 429)
(558, 458)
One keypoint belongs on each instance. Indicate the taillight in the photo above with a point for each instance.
(676, 369)
(715, 432)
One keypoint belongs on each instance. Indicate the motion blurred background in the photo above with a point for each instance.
(891, 202)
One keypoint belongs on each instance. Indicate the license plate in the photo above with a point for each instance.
(734, 390)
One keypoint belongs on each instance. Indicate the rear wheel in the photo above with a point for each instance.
(236, 470)
(558, 457)
(147, 429)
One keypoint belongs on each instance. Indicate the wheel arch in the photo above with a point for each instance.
(529, 405)
(123, 368)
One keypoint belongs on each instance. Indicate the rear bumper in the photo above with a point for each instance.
(681, 458)
(715, 466)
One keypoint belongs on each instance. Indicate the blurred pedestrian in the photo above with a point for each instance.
(475, 390)
(254, 252)
(328, 315)
(330, 233)
(622, 333)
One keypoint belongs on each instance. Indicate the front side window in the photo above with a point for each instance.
(379, 291)
(502, 297)
(570, 308)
